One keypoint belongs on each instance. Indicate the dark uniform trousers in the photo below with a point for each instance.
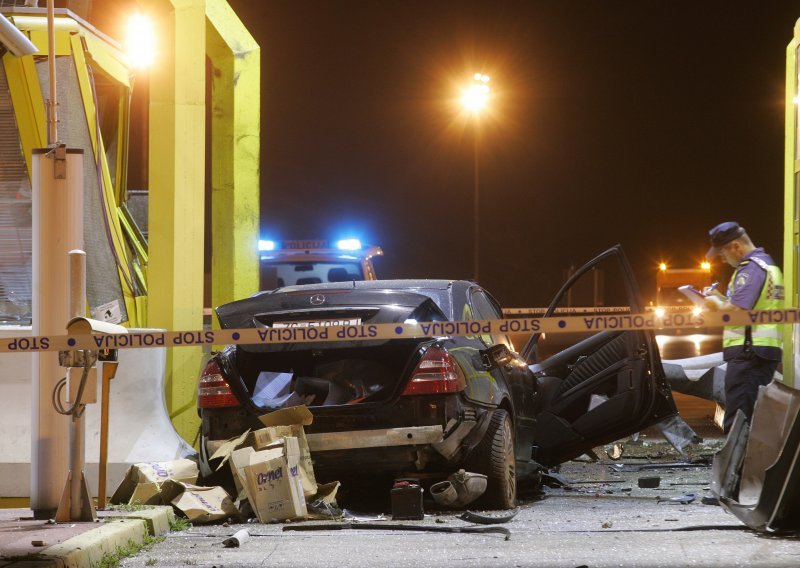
(746, 372)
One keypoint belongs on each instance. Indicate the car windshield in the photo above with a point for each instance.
(279, 274)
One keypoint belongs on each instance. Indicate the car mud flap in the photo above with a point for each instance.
(768, 474)
(678, 433)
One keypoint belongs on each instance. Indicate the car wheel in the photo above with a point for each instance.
(495, 457)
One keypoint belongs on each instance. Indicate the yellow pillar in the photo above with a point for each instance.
(235, 130)
(177, 184)
(791, 228)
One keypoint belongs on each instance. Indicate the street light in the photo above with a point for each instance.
(474, 99)
(140, 42)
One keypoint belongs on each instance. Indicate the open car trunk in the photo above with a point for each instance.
(323, 377)
(331, 373)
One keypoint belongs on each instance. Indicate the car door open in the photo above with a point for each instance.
(595, 387)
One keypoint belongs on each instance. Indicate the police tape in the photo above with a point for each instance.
(592, 310)
(318, 331)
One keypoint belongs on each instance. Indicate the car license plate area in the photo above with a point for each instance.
(317, 323)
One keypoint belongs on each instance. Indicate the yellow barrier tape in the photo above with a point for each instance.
(311, 331)
(588, 310)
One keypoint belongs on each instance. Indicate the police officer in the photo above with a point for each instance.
(754, 351)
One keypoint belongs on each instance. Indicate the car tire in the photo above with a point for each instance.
(495, 457)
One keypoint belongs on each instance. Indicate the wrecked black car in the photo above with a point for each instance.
(429, 407)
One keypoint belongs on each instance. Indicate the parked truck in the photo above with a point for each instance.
(668, 280)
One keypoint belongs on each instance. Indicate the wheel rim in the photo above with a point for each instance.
(509, 462)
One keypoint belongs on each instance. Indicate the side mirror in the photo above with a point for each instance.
(496, 356)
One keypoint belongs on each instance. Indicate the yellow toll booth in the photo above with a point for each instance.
(155, 282)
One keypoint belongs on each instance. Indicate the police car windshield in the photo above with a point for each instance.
(278, 274)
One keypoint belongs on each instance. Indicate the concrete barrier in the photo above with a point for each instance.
(139, 426)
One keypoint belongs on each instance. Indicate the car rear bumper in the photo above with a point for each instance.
(358, 439)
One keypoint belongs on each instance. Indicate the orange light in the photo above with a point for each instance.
(662, 266)
(705, 266)
(140, 41)
(476, 96)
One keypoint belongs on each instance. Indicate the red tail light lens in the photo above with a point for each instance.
(213, 390)
(437, 372)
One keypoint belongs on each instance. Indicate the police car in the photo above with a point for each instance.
(290, 263)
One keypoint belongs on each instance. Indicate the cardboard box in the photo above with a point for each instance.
(274, 485)
(289, 422)
(199, 504)
(142, 482)
(225, 450)
(240, 459)
(267, 437)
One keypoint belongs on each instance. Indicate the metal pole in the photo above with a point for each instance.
(57, 229)
(109, 369)
(77, 431)
(476, 204)
(52, 129)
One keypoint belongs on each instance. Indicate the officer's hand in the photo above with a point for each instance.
(714, 303)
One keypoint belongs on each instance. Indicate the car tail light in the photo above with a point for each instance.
(437, 372)
(213, 390)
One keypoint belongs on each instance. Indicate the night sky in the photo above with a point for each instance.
(635, 122)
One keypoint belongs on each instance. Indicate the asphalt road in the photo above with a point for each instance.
(602, 520)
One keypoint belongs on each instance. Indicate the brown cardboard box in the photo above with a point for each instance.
(274, 486)
(142, 482)
(289, 422)
(226, 449)
(267, 437)
(240, 459)
(199, 504)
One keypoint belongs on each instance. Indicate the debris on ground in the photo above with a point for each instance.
(237, 539)
(397, 527)
(679, 500)
(477, 518)
(648, 482)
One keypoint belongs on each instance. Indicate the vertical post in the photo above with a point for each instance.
(177, 185)
(476, 204)
(108, 368)
(52, 115)
(791, 212)
(57, 184)
(77, 431)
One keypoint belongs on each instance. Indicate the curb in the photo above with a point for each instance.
(87, 550)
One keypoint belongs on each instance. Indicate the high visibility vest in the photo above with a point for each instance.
(770, 298)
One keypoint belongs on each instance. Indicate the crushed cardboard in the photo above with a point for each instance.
(199, 504)
(142, 482)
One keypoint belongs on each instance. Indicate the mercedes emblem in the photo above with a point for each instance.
(317, 299)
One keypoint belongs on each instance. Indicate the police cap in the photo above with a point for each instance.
(722, 234)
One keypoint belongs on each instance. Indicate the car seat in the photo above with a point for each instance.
(339, 275)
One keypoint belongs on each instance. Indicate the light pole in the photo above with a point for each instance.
(474, 100)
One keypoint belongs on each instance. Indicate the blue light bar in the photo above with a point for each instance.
(349, 244)
(266, 245)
